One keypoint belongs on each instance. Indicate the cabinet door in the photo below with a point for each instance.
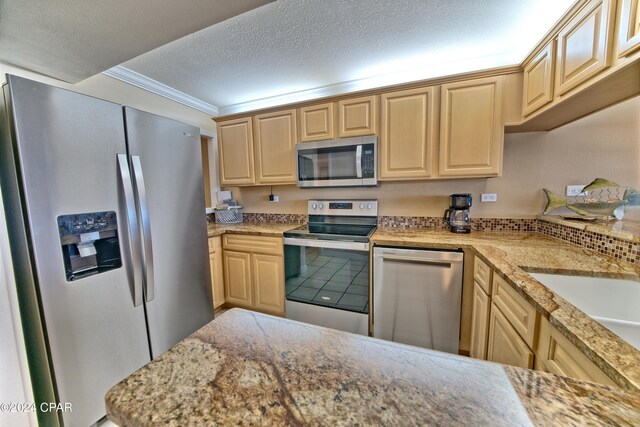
(584, 45)
(505, 345)
(629, 28)
(538, 80)
(471, 128)
(237, 278)
(275, 141)
(357, 116)
(407, 134)
(316, 122)
(217, 278)
(479, 323)
(268, 279)
(557, 355)
(235, 149)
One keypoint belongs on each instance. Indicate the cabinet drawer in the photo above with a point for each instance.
(516, 309)
(482, 274)
(255, 244)
(557, 355)
(214, 244)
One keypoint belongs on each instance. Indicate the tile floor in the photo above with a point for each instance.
(340, 281)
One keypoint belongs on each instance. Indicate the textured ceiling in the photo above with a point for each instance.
(300, 49)
(75, 39)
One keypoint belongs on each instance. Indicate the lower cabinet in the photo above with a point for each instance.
(505, 345)
(505, 328)
(557, 355)
(479, 322)
(254, 272)
(215, 265)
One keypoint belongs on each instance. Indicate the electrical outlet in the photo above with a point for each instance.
(273, 198)
(489, 197)
(575, 190)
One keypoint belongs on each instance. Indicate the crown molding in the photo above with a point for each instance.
(143, 82)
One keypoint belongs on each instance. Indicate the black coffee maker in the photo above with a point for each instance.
(457, 216)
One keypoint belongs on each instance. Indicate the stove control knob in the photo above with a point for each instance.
(361, 205)
(314, 206)
(369, 206)
(321, 206)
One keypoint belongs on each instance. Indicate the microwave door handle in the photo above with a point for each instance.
(359, 161)
(146, 227)
(134, 233)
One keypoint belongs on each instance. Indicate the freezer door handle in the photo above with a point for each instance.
(134, 233)
(146, 226)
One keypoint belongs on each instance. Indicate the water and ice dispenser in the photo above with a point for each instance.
(89, 243)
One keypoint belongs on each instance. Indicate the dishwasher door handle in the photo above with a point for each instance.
(400, 258)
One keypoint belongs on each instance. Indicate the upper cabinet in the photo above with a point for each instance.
(357, 116)
(629, 28)
(316, 122)
(407, 134)
(235, 149)
(537, 82)
(471, 128)
(584, 45)
(275, 141)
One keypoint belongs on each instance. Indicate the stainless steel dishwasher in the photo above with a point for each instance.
(417, 297)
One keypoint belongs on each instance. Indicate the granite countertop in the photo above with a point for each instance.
(250, 368)
(273, 229)
(512, 255)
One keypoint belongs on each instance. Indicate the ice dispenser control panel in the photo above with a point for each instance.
(89, 243)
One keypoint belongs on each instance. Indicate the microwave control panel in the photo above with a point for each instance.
(368, 161)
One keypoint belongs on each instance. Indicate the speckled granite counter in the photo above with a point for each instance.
(274, 229)
(513, 254)
(248, 368)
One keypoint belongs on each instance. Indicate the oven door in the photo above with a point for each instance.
(336, 164)
(327, 283)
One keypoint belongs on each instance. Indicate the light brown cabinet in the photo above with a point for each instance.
(471, 128)
(557, 355)
(629, 28)
(254, 272)
(505, 345)
(584, 45)
(215, 265)
(522, 316)
(275, 141)
(538, 80)
(235, 150)
(407, 134)
(357, 116)
(316, 122)
(479, 323)
(237, 278)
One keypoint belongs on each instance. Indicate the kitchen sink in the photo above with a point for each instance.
(614, 303)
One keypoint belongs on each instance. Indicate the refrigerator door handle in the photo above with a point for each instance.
(146, 226)
(134, 233)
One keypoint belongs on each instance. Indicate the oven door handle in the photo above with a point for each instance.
(332, 244)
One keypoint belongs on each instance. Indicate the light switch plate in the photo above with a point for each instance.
(575, 190)
(489, 197)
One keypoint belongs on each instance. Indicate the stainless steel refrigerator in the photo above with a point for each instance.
(105, 211)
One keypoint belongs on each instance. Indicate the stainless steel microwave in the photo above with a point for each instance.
(346, 162)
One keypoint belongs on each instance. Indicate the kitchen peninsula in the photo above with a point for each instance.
(250, 368)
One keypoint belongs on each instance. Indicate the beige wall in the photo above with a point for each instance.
(605, 144)
(108, 88)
